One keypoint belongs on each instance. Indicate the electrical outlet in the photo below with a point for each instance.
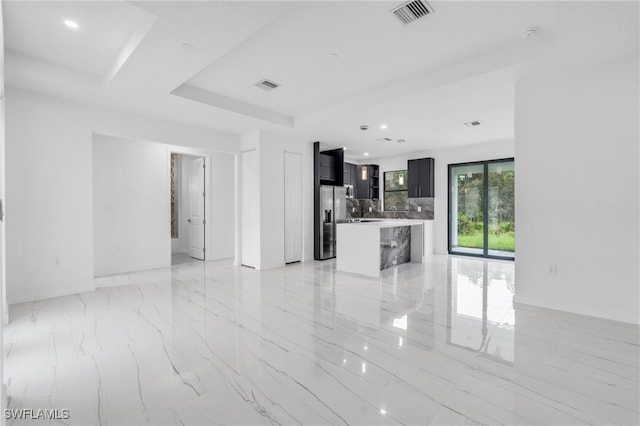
(552, 269)
(353, 209)
(419, 209)
(370, 209)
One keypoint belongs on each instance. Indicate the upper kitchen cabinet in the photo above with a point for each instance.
(421, 177)
(350, 171)
(328, 166)
(367, 182)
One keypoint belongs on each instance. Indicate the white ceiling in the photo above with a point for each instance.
(35, 29)
(423, 80)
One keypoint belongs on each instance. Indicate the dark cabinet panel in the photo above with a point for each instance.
(413, 177)
(421, 177)
(327, 167)
(426, 178)
(350, 174)
(353, 169)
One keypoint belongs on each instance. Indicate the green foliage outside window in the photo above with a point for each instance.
(501, 220)
(396, 191)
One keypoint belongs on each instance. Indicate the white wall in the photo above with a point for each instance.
(250, 209)
(223, 207)
(131, 207)
(50, 191)
(577, 197)
(443, 157)
(269, 208)
(271, 154)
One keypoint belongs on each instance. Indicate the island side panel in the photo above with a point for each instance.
(428, 237)
(417, 246)
(358, 249)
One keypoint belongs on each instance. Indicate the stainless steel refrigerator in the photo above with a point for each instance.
(333, 210)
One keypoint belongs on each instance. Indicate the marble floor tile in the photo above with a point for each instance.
(207, 343)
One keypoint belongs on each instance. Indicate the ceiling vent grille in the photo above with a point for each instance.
(267, 84)
(472, 123)
(412, 11)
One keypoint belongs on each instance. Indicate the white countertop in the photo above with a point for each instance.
(384, 223)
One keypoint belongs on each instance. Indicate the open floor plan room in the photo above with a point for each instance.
(327, 212)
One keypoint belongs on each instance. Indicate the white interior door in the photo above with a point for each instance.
(292, 207)
(250, 225)
(196, 208)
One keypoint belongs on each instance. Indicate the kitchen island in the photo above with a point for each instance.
(367, 247)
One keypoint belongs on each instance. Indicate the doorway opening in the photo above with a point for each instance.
(482, 209)
(188, 211)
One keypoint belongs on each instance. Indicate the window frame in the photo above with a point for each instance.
(385, 190)
(485, 207)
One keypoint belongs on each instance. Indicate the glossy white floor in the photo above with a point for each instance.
(209, 343)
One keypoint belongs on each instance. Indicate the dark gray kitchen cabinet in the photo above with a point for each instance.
(327, 167)
(421, 177)
(350, 174)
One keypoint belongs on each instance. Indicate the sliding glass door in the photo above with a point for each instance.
(481, 209)
(466, 209)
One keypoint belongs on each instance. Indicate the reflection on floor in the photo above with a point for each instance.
(479, 252)
(438, 343)
(181, 258)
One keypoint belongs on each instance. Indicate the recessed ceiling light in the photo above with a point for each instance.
(383, 126)
(71, 24)
(366, 154)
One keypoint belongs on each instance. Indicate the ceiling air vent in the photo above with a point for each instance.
(267, 84)
(472, 123)
(412, 11)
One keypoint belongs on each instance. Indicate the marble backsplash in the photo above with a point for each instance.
(360, 209)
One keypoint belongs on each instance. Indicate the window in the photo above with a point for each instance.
(396, 191)
(481, 208)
